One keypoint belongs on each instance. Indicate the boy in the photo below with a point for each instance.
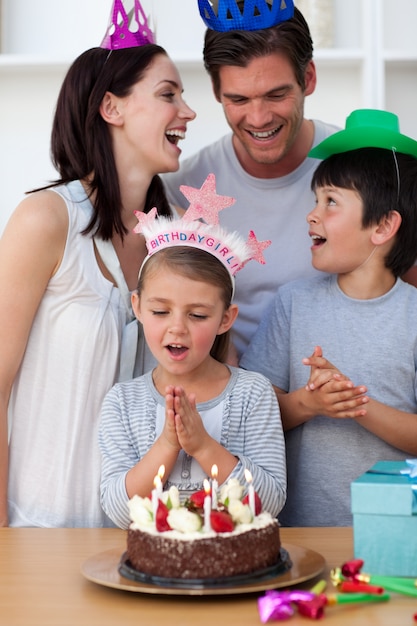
(362, 317)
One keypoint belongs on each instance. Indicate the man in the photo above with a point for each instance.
(261, 78)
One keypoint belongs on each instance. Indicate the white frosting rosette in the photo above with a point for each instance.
(232, 490)
(184, 521)
(240, 513)
(141, 512)
(171, 497)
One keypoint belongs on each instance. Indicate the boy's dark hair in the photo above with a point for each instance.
(80, 141)
(386, 181)
(239, 47)
(197, 265)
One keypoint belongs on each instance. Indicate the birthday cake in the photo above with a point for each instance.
(182, 541)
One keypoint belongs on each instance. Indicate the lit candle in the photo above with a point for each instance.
(207, 506)
(214, 486)
(251, 491)
(156, 492)
(161, 473)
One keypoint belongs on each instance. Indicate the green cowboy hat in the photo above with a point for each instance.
(367, 128)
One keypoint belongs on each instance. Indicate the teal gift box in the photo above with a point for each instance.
(384, 508)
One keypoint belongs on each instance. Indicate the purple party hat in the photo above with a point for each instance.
(127, 30)
(225, 15)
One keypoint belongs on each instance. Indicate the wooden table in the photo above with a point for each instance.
(41, 584)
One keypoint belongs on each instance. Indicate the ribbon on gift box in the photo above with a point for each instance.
(410, 472)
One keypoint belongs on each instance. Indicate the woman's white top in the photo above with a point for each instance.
(71, 361)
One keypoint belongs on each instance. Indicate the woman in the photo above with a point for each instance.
(68, 261)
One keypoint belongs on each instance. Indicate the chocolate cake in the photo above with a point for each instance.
(213, 555)
(171, 545)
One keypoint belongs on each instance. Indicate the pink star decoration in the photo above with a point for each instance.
(205, 203)
(257, 247)
(144, 218)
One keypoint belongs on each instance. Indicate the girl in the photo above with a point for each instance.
(192, 410)
(69, 252)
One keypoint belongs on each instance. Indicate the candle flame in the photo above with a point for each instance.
(206, 486)
(214, 471)
(157, 482)
(161, 471)
(248, 476)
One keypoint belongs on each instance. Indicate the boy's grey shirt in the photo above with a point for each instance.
(374, 342)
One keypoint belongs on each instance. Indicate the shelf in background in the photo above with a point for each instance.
(326, 57)
(399, 57)
(17, 62)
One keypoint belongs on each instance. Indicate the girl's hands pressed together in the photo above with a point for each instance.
(181, 409)
(191, 435)
(169, 432)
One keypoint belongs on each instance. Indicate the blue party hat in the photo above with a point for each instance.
(225, 15)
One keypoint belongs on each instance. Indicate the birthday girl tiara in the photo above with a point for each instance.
(225, 15)
(127, 29)
(229, 248)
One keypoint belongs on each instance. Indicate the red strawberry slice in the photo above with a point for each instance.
(161, 517)
(258, 503)
(197, 498)
(221, 522)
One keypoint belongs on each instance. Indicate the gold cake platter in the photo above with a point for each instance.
(105, 569)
